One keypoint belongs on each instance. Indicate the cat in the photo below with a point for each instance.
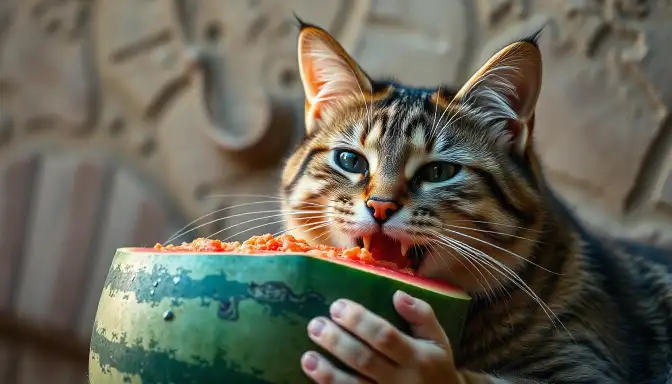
(448, 179)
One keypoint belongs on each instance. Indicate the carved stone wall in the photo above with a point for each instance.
(122, 121)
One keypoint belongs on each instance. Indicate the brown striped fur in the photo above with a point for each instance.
(603, 308)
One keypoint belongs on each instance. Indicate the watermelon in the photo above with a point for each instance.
(209, 311)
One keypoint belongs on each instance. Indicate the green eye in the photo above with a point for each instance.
(351, 162)
(437, 172)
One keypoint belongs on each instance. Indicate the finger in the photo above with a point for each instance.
(321, 371)
(372, 329)
(420, 317)
(348, 349)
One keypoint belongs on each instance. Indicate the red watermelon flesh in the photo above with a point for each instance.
(355, 257)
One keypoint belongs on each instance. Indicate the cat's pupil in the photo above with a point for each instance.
(351, 162)
(437, 172)
(349, 159)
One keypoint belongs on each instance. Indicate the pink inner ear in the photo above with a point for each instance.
(327, 72)
(526, 81)
(517, 66)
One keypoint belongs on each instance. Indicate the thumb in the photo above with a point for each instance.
(420, 316)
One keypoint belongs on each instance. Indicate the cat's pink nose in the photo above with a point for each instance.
(381, 209)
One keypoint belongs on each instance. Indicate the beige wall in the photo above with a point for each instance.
(120, 119)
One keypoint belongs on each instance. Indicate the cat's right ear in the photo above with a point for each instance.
(329, 75)
(506, 89)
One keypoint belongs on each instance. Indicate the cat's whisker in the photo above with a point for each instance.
(322, 215)
(434, 248)
(179, 232)
(459, 248)
(497, 224)
(318, 225)
(502, 249)
(492, 232)
(518, 281)
(283, 211)
(429, 244)
(474, 258)
(255, 227)
(513, 277)
(449, 248)
(487, 260)
(320, 236)
(276, 198)
(250, 195)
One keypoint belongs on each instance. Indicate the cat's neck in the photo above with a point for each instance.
(555, 270)
(558, 247)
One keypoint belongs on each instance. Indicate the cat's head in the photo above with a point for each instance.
(438, 177)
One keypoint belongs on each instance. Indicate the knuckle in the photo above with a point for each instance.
(429, 357)
(365, 361)
(326, 376)
(387, 337)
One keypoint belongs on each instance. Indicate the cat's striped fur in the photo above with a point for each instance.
(554, 303)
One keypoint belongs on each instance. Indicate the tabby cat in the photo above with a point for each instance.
(449, 179)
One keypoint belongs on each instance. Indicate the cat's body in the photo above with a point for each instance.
(613, 298)
(449, 179)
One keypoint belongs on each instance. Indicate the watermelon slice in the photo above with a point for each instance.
(209, 311)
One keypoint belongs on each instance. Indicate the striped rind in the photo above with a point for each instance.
(437, 286)
(236, 319)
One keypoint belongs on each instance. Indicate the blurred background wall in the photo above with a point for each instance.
(123, 120)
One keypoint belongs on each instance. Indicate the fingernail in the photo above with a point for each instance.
(309, 361)
(316, 326)
(406, 298)
(338, 308)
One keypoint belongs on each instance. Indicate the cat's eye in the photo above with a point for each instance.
(351, 162)
(437, 172)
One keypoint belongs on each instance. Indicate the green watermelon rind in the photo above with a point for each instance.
(234, 299)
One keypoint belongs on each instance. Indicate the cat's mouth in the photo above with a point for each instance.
(383, 247)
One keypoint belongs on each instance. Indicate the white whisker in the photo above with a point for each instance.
(282, 211)
(448, 246)
(179, 232)
(502, 249)
(312, 227)
(255, 227)
(493, 232)
(513, 277)
(462, 250)
(267, 217)
(496, 224)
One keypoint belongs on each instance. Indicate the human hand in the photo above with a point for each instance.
(384, 355)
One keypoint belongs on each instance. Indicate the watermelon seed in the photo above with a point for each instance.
(176, 280)
(155, 284)
(151, 292)
(168, 315)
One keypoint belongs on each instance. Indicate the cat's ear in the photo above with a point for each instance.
(329, 75)
(505, 90)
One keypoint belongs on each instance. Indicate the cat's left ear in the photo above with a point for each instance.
(329, 75)
(505, 91)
